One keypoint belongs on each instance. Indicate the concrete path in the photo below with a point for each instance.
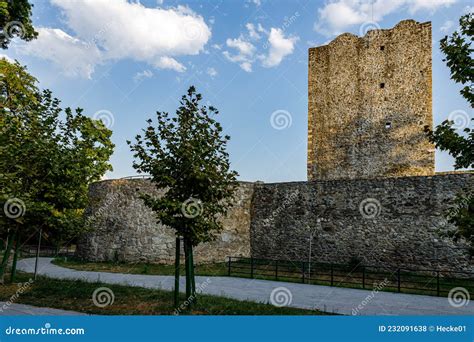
(29, 310)
(324, 298)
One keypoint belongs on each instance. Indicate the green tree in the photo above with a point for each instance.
(15, 21)
(48, 157)
(458, 51)
(186, 156)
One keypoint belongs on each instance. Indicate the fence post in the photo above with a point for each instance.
(437, 283)
(251, 267)
(332, 274)
(38, 249)
(303, 270)
(363, 277)
(398, 279)
(228, 266)
(276, 269)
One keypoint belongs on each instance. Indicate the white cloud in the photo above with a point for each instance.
(211, 72)
(338, 15)
(256, 2)
(245, 52)
(169, 63)
(141, 75)
(75, 57)
(118, 29)
(448, 24)
(246, 66)
(253, 34)
(429, 5)
(279, 48)
(245, 48)
(278, 45)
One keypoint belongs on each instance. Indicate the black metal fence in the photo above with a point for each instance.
(430, 282)
(27, 251)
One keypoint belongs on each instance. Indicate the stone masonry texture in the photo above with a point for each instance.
(369, 99)
(385, 221)
(126, 230)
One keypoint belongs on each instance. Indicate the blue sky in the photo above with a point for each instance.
(121, 61)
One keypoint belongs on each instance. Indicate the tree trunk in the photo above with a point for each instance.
(188, 272)
(15, 256)
(193, 278)
(6, 256)
(176, 272)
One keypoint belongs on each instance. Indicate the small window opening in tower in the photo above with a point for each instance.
(388, 125)
(382, 47)
(382, 85)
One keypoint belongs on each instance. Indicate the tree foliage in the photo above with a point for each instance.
(48, 157)
(186, 156)
(458, 51)
(15, 21)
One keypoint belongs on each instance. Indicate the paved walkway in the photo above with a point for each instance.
(21, 309)
(324, 298)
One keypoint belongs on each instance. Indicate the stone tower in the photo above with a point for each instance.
(369, 100)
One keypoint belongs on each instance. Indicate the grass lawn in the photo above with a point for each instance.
(216, 269)
(77, 296)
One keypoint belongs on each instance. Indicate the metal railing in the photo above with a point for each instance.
(430, 281)
(28, 251)
(137, 177)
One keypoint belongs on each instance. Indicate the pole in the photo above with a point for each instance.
(309, 257)
(437, 283)
(398, 280)
(193, 276)
(15, 256)
(38, 252)
(251, 267)
(176, 272)
(363, 277)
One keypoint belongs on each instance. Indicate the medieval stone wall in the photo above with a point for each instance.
(368, 101)
(126, 230)
(391, 222)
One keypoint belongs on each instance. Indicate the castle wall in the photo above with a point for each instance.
(276, 220)
(369, 99)
(126, 230)
(392, 221)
